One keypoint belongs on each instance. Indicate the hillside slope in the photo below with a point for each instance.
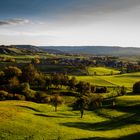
(96, 50)
(19, 49)
(26, 120)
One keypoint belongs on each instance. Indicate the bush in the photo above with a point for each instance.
(3, 95)
(136, 87)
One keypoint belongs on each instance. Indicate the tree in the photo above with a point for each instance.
(29, 73)
(56, 100)
(56, 80)
(48, 82)
(64, 79)
(11, 71)
(95, 101)
(13, 82)
(35, 61)
(81, 104)
(101, 90)
(136, 87)
(83, 88)
(72, 83)
(3, 95)
(40, 81)
(2, 74)
(123, 90)
(93, 89)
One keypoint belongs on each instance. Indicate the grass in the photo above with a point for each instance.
(126, 80)
(26, 120)
(102, 71)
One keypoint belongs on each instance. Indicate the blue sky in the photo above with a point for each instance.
(70, 22)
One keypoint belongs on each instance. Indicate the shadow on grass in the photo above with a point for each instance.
(115, 123)
(132, 110)
(51, 116)
(70, 115)
(135, 136)
(135, 109)
(27, 107)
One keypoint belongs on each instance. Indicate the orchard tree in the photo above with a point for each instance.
(82, 104)
(56, 101)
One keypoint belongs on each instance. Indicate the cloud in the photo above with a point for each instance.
(13, 22)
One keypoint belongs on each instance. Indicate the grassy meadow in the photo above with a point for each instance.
(102, 71)
(24, 120)
(126, 80)
(27, 120)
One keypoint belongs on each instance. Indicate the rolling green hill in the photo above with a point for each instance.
(126, 80)
(26, 120)
(19, 50)
(96, 50)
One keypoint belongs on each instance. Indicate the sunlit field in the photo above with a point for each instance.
(27, 120)
(126, 80)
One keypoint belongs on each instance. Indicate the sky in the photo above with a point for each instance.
(70, 22)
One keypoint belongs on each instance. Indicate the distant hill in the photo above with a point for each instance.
(52, 50)
(19, 49)
(29, 48)
(96, 50)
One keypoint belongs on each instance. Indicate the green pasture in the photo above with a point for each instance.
(21, 120)
(102, 71)
(126, 80)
